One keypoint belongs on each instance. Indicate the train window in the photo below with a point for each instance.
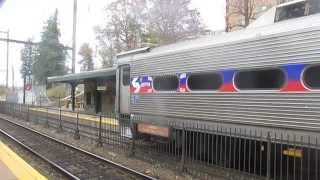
(126, 76)
(204, 81)
(311, 77)
(166, 83)
(291, 11)
(265, 79)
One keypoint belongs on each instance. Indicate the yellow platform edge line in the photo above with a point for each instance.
(21, 169)
(109, 121)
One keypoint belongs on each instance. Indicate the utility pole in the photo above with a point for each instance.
(28, 72)
(7, 66)
(73, 86)
(12, 78)
(24, 89)
(74, 35)
(7, 76)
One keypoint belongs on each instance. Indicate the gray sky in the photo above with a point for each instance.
(25, 19)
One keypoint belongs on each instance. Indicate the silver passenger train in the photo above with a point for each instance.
(266, 77)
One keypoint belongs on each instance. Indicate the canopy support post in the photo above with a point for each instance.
(73, 98)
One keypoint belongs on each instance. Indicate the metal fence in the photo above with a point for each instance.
(193, 147)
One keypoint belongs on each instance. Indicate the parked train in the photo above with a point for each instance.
(266, 77)
(262, 80)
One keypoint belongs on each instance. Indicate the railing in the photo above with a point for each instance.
(194, 147)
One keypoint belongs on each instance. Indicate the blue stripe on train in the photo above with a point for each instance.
(227, 77)
(294, 74)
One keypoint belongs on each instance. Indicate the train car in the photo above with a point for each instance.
(266, 77)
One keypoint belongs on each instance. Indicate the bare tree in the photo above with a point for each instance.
(106, 42)
(87, 59)
(246, 9)
(125, 25)
(123, 30)
(133, 23)
(173, 20)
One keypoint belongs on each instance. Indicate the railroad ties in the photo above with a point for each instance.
(71, 161)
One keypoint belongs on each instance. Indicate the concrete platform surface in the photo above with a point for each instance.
(13, 167)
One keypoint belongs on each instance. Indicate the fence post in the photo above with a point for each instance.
(13, 110)
(47, 118)
(10, 109)
(268, 156)
(77, 132)
(99, 144)
(20, 116)
(182, 165)
(59, 102)
(133, 142)
(28, 113)
(60, 120)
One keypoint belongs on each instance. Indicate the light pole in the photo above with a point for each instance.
(7, 68)
(73, 86)
(74, 36)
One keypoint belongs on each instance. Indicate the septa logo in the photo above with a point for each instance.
(141, 85)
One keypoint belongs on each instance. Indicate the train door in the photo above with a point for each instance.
(124, 89)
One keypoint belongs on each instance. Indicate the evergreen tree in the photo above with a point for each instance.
(51, 58)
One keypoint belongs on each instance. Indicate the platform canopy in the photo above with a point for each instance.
(80, 77)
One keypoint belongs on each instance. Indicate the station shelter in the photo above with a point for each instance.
(99, 89)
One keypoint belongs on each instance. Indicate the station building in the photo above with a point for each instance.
(106, 90)
(99, 88)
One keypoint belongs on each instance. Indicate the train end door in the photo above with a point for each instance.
(123, 85)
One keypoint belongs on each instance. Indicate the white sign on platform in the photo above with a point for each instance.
(101, 88)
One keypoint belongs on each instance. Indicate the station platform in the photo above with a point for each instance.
(13, 167)
(83, 117)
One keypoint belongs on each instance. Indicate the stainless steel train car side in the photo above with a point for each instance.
(285, 43)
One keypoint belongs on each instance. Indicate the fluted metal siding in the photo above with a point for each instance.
(272, 109)
(269, 51)
(297, 111)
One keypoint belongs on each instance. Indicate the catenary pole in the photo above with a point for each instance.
(73, 86)
(7, 63)
(7, 73)
(74, 35)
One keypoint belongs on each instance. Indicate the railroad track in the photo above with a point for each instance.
(73, 162)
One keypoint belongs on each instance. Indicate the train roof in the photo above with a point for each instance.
(283, 27)
(277, 28)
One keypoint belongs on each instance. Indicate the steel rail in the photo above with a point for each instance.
(56, 166)
(126, 169)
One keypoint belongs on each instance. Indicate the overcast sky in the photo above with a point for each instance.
(25, 19)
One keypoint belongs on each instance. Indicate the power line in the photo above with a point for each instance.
(29, 42)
